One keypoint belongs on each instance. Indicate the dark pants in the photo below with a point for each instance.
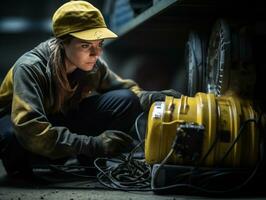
(113, 110)
(116, 109)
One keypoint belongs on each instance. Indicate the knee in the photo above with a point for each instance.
(130, 99)
(8, 141)
(7, 132)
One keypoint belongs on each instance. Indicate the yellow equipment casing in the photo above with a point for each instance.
(221, 117)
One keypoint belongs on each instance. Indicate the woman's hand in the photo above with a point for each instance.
(112, 142)
(149, 97)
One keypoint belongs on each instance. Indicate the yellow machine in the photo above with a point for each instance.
(208, 130)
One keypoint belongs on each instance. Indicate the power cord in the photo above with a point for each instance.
(125, 173)
(241, 130)
(75, 170)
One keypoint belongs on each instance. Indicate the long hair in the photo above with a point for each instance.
(63, 89)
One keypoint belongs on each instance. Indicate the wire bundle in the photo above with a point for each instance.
(124, 173)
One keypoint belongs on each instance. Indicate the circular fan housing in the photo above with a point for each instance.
(219, 58)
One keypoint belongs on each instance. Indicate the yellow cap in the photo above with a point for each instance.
(81, 20)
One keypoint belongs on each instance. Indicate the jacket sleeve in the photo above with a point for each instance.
(111, 81)
(32, 128)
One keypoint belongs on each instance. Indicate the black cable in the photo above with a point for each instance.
(241, 130)
(214, 175)
(211, 191)
(209, 151)
(129, 174)
(141, 140)
(59, 168)
(197, 165)
(131, 154)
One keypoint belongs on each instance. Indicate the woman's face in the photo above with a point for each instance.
(82, 54)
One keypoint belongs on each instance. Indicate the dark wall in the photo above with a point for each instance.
(23, 24)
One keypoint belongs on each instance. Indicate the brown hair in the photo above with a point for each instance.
(64, 90)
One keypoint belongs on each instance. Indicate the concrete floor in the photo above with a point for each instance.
(16, 192)
(70, 194)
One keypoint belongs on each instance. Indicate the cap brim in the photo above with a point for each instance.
(94, 34)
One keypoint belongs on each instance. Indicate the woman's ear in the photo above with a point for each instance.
(65, 41)
(63, 45)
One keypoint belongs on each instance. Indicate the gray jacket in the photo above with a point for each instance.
(28, 94)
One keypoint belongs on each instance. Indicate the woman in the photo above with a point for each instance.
(61, 99)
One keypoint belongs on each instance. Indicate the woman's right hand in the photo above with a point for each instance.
(112, 142)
